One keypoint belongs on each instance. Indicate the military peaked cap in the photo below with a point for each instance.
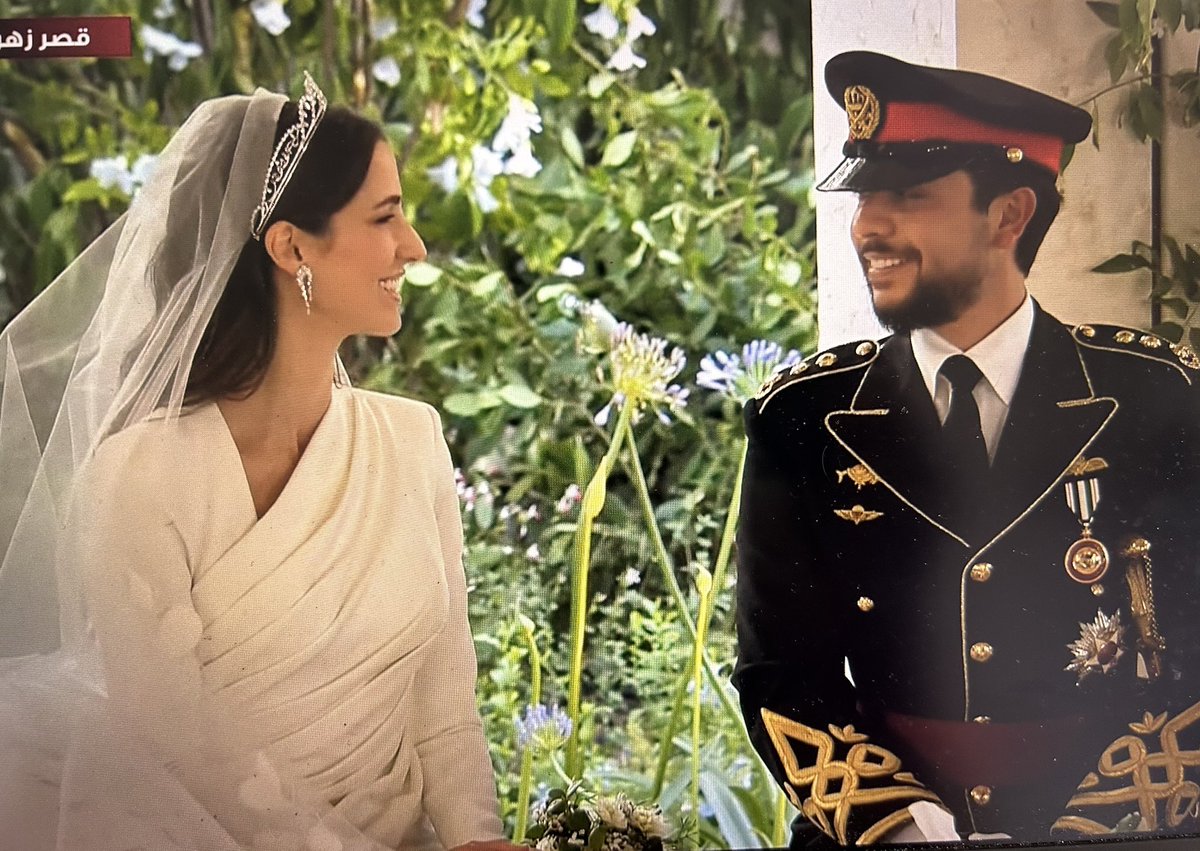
(910, 124)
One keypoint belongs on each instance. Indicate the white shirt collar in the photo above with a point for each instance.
(999, 355)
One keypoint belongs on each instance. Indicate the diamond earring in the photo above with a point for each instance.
(304, 279)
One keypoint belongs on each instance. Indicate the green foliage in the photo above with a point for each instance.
(683, 189)
(1175, 294)
(1175, 286)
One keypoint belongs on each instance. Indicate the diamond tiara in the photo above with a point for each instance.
(291, 147)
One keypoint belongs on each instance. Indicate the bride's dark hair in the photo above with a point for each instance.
(239, 340)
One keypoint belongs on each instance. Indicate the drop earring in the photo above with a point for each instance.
(304, 280)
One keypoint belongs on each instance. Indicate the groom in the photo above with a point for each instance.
(968, 553)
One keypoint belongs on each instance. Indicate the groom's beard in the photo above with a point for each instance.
(935, 300)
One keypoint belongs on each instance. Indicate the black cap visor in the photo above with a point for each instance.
(875, 167)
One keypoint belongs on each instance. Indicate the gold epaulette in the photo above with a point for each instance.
(841, 358)
(1138, 343)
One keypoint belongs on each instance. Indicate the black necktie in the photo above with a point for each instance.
(962, 434)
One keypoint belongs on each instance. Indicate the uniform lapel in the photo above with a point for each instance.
(892, 427)
(1053, 418)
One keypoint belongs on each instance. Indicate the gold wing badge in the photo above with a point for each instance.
(857, 514)
(860, 474)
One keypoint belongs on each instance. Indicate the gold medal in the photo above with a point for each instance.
(1086, 560)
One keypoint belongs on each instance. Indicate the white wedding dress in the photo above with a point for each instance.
(301, 680)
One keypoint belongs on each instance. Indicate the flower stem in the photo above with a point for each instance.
(535, 697)
(664, 560)
(779, 833)
(667, 743)
(704, 586)
(593, 501)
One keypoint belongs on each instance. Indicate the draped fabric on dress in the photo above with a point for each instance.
(315, 661)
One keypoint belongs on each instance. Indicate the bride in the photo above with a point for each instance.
(232, 602)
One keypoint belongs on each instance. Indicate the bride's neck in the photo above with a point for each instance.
(295, 392)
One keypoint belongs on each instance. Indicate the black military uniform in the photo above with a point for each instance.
(1022, 642)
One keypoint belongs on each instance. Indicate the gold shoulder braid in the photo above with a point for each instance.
(842, 770)
(1132, 780)
(839, 359)
(1132, 341)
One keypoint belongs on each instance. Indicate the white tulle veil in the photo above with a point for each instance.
(107, 345)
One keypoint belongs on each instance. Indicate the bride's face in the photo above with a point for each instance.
(358, 268)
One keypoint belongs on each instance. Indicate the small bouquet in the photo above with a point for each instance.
(571, 820)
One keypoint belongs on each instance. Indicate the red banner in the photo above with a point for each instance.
(62, 38)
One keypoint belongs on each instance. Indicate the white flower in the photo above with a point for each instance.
(382, 28)
(533, 553)
(164, 9)
(631, 577)
(650, 821)
(521, 121)
(547, 843)
(270, 16)
(624, 59)
(609, 812)
(570, 268)
(523, 163)
(113, 171)
(639, 25)
(486, 165)
(142, 168)
(445, 174)
(485, 200)
(602, 22)
(386, 71)
(166, 44)
(474, 14)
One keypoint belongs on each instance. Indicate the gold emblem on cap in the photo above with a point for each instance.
(1015, 155)
(862, 108)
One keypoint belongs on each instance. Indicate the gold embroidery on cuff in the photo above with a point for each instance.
(1152, 777)
(835, 786)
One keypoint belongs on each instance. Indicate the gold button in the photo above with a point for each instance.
(981, 795)
(1150, 341)
(1124, 336)
(866, 604)
(864, 349)
(1137, 547)
(1087, 330)
(982, 719)
(800, 367)
(827, 359)
(981, 651)
(1015, 155)
(981, 572)
(1097, 589)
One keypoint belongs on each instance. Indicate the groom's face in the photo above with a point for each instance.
(923, 250)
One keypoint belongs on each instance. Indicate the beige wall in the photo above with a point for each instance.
(1056, 47)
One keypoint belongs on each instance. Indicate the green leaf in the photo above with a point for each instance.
(486, 285)
(520, 396)
(421, 274)
(1150, 105)
(571, 146)
(1129, 20)
(1115, 57)
(598, 84)
(1173, 331)
(560, 23)
(1106, 12)
(462, 404)
(1171, 12)
(1179, 306)
(1122, 263)
(731, 815)
(619, 149)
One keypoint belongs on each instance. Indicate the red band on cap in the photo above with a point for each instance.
(927, 122)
